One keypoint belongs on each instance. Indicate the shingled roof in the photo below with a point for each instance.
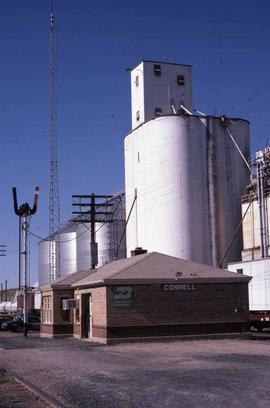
(149, 268)
(155, 267)
(67, 280)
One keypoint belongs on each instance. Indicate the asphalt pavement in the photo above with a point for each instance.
(192, 373)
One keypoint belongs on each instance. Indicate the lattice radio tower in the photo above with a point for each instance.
(54, 206)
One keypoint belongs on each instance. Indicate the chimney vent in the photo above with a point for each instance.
(138, 251)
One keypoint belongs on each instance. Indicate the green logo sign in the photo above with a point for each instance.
(122, 296)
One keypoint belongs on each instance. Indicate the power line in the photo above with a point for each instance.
(97, 209)
(59, 242)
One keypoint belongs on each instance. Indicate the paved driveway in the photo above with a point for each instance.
(201, 373)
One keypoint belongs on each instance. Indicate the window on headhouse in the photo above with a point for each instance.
(137, 80)
(239, 271)
(65, 314)
(158, 111)
(180, 80)
(157, 69)
(138, 116)
(47, 309)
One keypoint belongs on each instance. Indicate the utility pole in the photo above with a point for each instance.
(3, 253)
(6, 291)
(20, 278)
(97, 212)
(93, 244)
(54, 206)
(25, 212)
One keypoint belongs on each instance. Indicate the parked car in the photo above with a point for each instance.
(16, 324)
(4, 318)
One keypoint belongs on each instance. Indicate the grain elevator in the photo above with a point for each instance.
(184, 176)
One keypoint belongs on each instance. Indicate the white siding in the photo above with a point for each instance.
(251, 225)
(259, 286)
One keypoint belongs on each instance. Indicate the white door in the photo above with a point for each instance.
(90, 317)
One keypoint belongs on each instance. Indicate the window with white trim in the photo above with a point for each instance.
(64, 314)
(47, 309)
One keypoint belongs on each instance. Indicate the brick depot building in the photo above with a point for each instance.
(144, 296)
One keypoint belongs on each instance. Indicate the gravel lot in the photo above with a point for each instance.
(201, 373)
(14, 394)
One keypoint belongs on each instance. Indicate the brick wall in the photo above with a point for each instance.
(29, 303)
(208, 303)
(99, 307)
(99, 310)
(207, 308)
(62, 321)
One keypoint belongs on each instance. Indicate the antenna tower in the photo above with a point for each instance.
(54, 207)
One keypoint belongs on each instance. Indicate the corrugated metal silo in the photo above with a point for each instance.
(103, 241)
(67, 255)
(75, 238)
(83, 246)
(43, 263)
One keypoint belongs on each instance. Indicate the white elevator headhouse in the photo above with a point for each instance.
(184, 169)
(158, 89)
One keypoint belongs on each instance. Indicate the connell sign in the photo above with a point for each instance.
(174, 287)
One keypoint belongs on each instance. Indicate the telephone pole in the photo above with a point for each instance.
(97, 212)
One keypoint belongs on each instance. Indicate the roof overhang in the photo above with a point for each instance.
(116, 282)
(97, 283)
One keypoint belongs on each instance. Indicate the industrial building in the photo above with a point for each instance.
(256, 238)
(184, 176)
(149, 295)
(75, 237)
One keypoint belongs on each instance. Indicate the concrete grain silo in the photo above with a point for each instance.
(184, 169)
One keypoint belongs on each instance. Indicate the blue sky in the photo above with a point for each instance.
(227, 42)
